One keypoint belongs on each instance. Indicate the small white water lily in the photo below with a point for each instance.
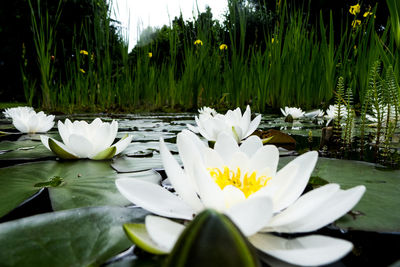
(333, 111)
(84, 140)
(210, 123)
(383, 114)
(243, 182)
(296, 113)
(26, 120)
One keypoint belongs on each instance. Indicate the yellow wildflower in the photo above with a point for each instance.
(354, 10)
(366, 14)
(84, 52)
(223, 47)
(198, 42)
(82, 70)
(273, 39)
(150, 54)
(356, 23)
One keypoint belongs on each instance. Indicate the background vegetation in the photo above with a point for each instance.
(277, 53)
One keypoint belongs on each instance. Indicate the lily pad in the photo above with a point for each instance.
(378, 210)
(79, 237)
(147, 148)
(24, 150)
(70, 184)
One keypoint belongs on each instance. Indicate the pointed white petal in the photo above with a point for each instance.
(309, 250)
(64, 131)
(291, 186)
(163, 232)
(245, 120)
(330, 208)
(178, 178)
(265, 157)
(251, 214)
(301, 209)
(253, 125)
(154, 198)
(122, 144)
(251, 145)
(45, 141)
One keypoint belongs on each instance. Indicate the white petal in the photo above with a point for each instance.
(251, 145)
(163, 232)
(122, 144)
(45, 141)
(309, 250)
(193, 128)
(245, 120)
(291, 186)
(319, 210)
(154, 198)
(302, 208)
(226, 146)
(212, 159)
(80, 145)
(253, 126)
(251, 214)
(64, 131)
(20, 125)
(232, 196)
(265, 157)
(209, 192)
(178, 178)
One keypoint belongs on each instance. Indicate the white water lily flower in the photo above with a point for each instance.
(296, 113)
(87, 140)
(383, 114)
(243, 182)
(26, 120)
(315, 114)
(210, 123)
(332, 112)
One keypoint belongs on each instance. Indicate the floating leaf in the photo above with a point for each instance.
(79, 237)
(133, 164)
(24, 150)
(84, 183)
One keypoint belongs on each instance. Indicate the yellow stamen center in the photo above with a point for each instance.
(249, 183)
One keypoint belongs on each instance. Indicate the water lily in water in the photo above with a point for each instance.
(26, 120)
(210, 123)
(333, 111)
(296, 113)
(383, 115)
(243, 182)
(87, 140)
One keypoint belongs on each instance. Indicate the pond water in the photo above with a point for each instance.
(34, 182)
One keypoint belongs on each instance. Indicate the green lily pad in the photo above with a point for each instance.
(79, 237)
(145, 148)
(70, 184)
(378, 210)
(24, 150)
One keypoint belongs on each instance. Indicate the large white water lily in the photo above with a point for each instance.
(333, 111)
(210, 123)
(26, 120)
(87, 140)
(296, 113)
(243, 182)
